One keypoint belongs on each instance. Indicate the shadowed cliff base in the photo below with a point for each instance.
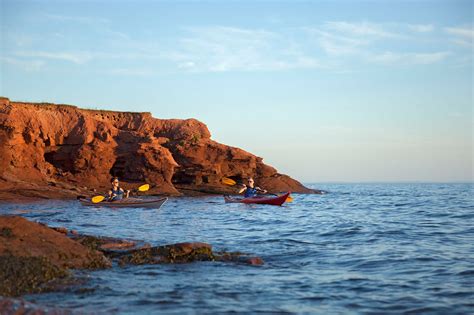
(61, 151)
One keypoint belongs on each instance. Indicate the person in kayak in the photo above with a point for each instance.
(117, 193)
(250, 189)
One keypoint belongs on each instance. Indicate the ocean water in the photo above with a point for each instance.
(361, 248)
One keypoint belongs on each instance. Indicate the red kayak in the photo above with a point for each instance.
(275, 201)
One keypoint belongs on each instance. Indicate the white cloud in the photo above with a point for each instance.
(462, 36)
(221, 49)
(75, 57)
(462, 42)
(421, 28)
(18, 39)
(358, 29)
(187, 65)
(362, 41)
(428, 58)
(389, 58)
(132, 72)
(28, 65)
(464, 32)
(97, 24)
(334, 44)
(77, 19)
(346, 38)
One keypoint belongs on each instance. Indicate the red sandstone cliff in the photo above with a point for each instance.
(49, 150)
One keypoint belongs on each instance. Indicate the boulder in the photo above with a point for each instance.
(31, 255)
(22, 238)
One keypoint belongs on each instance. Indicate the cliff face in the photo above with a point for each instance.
(49, 150)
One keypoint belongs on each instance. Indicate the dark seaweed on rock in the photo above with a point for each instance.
(21, 275)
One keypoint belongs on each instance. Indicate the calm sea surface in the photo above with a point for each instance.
(361, 248)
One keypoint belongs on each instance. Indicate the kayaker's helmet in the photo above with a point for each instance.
(114, 180)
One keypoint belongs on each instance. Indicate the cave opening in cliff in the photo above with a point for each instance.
(181, 178)
(237, 178)
(119, 168)
(128, 169)
(60, 158)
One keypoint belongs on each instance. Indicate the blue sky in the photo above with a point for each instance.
(322, 90)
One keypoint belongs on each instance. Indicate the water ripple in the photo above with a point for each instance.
(365, 248)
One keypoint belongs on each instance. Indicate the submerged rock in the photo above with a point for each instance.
(106, 244)
(239, 257)
(20, 307)
(175, 253)
(127, 252)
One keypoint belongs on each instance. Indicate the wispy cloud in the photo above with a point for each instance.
(390, 58)
(222, 49)
(463, 35)
(335, 44)
(99, 24)
(132, 72)
(421, 28)
(466, 32)
(330, 45)
(76, 19)
(28, 65)
(358, 29)
(338, 38)
(19, 39)
(364, 41)
(75, 57)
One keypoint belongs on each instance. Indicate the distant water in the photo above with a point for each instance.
(362, 248)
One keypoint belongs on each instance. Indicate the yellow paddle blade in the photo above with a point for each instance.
(289, 199)
(144, 187)
(228, 181)
(97, 199)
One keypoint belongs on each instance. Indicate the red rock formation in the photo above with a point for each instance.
(22, 238)
(49, 150)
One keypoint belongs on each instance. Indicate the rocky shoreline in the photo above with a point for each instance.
(35, 258)
(62, 151)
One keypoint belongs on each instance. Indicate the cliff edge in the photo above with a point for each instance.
(61, 151)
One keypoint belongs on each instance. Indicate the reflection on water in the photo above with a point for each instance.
(361, 248)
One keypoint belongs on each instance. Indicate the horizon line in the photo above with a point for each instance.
(388, 182)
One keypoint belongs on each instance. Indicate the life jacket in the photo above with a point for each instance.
(250, 192)
(118, 194)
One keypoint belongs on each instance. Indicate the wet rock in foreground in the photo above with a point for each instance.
(127, 252)
(33, 256)
(23, 238)
(175, 253)
(27, 274)
(181, 253)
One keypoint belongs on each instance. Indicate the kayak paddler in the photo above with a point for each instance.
(117, 193)
(250, 189)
